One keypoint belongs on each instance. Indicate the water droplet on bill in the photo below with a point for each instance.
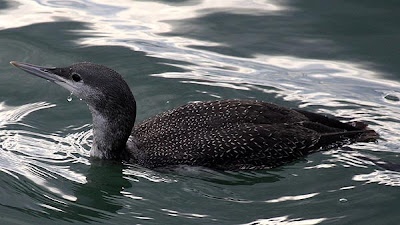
(69, 98)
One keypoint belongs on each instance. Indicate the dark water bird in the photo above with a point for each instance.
(223, 134)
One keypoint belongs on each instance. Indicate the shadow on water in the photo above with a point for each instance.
(4, 5)
(97, 199)
(223, 177)
(365, 32)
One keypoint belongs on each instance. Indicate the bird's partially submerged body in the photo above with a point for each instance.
(238, 134)
(226, 134)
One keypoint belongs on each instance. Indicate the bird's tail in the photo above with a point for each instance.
(366, 134)
(362, 134)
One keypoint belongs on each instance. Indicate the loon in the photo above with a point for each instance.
(223, 134)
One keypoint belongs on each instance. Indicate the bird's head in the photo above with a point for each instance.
(100, 87)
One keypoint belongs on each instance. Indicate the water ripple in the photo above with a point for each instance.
(209, 42)
(384, 177)
(285, 220)
(37, 156)
(292, 198)
(9, 114)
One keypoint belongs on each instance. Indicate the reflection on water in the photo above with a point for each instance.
(292, 198)
(321, 57)
(286, 220)
(386, 177)
(38, 157)
(11, 115)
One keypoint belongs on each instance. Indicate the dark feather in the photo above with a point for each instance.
(238, 134)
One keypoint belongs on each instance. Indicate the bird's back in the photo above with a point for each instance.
(235, 134)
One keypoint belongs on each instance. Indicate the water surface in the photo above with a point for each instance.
(336, 58)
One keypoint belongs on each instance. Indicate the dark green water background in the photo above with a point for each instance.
(334, 57)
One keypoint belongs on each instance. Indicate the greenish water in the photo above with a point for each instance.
(337, 58)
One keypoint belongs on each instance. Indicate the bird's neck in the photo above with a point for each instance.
(111, 130)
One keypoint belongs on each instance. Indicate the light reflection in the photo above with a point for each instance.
(384, 177)
(215, 84)
(182, 214)
(292, 198)
(39, 157)
(50, 207)
(350, 159)
(130, 195)
(150, 175)
(285, 220)
(347, 188)
(10, 114)
(131, 25)
(321, 166)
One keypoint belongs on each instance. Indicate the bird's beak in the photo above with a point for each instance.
(40, 71)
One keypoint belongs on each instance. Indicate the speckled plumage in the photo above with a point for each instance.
(235, 134)
(226, 134)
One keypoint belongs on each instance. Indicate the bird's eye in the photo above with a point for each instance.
(76, 77)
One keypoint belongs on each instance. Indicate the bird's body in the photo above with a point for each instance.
(236, 134)
(224, 134)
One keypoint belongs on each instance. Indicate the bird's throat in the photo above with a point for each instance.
(110, 135)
